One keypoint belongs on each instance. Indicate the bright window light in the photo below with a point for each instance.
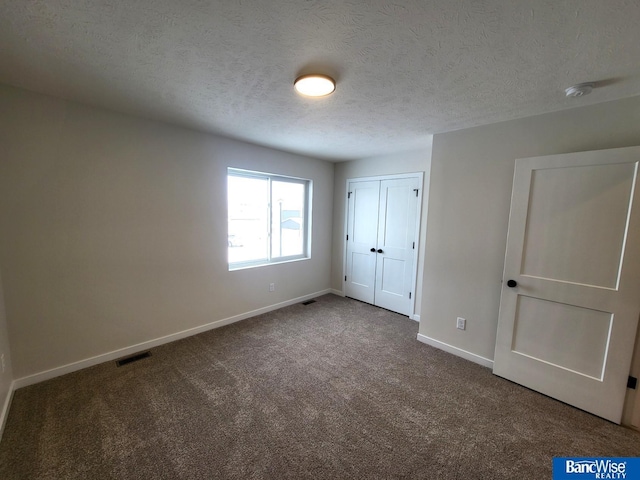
(268, 218)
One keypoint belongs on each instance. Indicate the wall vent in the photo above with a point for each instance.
(308, 302)
(132, 358)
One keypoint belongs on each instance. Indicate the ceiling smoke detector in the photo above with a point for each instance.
(579, 90)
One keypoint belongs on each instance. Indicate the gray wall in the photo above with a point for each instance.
(113, 230)
(471, 176)
(406, 162)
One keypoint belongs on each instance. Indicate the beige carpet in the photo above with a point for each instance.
(336, 389)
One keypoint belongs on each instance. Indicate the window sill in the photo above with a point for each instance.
(246, 266)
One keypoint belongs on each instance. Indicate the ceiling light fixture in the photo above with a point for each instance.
(314, 85)
(579, 90)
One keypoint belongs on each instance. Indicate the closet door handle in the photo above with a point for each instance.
(373, 250)
(380, 250)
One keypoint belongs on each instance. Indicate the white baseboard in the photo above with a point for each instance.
(123, 352)
(472, 357)
(340, 293)
(415, 317)
(4, 413)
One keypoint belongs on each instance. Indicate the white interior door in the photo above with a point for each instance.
(362, 237)
(382, 226)
(396, 245)
(567, 329)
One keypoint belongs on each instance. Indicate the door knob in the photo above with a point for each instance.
(373, 249)
(512, 283)
(380, 250)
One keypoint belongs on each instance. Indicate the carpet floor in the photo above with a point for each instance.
(336, 389)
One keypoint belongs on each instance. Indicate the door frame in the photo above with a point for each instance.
(418, 253)
(631, 410)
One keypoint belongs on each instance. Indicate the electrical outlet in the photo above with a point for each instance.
(272, 287)
(461, 323)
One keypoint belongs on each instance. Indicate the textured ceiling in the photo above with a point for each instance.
(405, 69)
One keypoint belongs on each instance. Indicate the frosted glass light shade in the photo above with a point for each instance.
(314, 85)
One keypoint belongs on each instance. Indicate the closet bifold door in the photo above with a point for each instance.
(382, 223)
(362, 235)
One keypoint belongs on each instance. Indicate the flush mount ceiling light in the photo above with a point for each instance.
(579, 90)
(314, 85)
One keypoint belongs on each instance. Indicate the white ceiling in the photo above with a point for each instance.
(405, 69)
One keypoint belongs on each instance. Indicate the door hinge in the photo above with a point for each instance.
(345, 278)
(409, 295)
(414, 245)
(349, 194)
(416, 190)
(632, 382)
(347, 237)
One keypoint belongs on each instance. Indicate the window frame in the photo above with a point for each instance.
(306, 218)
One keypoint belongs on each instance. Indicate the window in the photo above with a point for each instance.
(268, 218)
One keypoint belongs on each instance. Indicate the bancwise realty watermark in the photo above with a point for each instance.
(596, 468)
